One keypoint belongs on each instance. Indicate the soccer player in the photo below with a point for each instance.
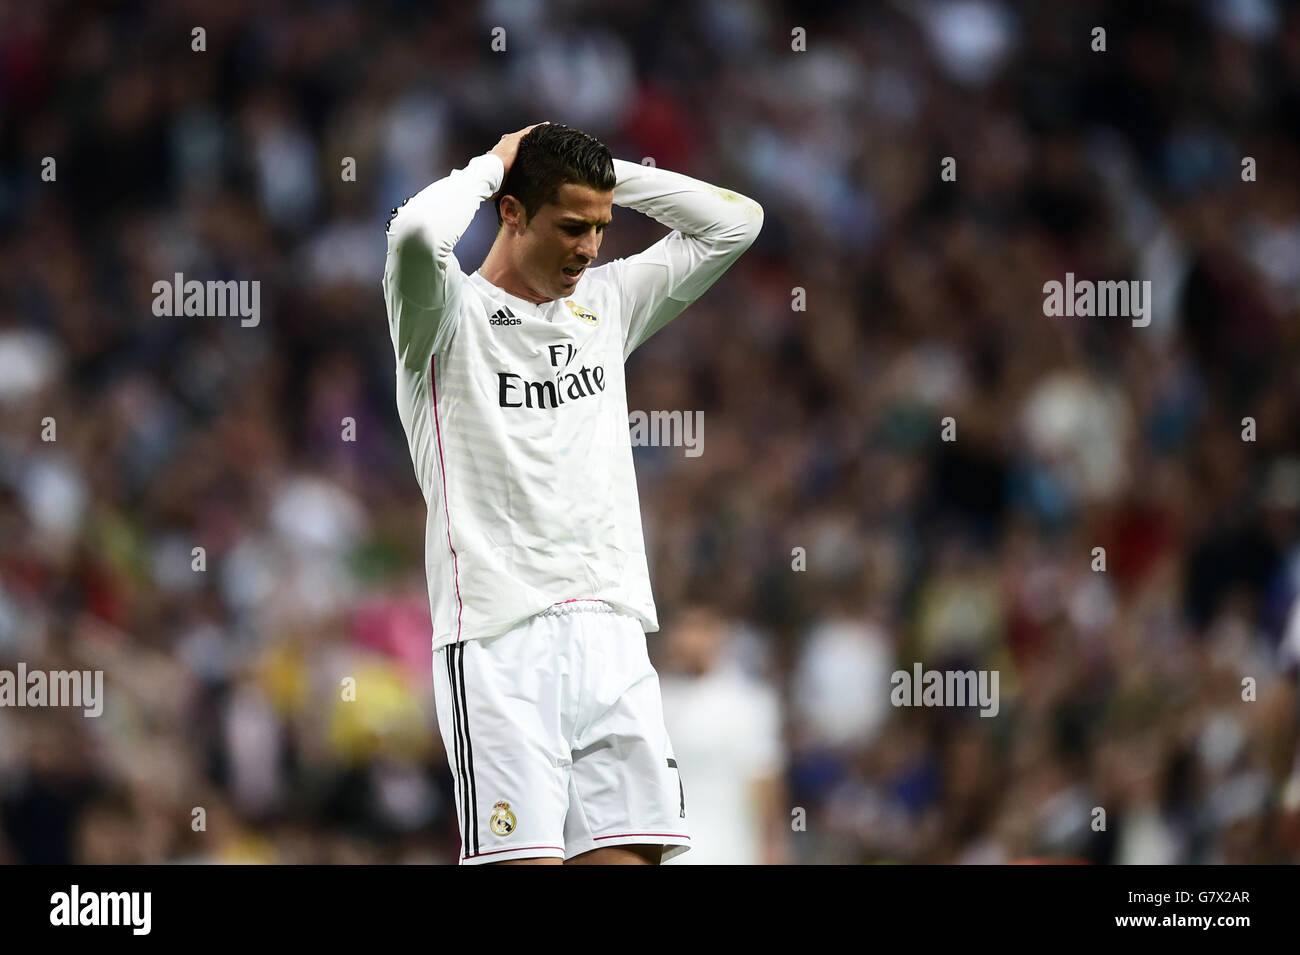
(510, 389)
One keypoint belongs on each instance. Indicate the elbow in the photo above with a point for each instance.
(754, 222)
(414, 248)
(738, 232)
(409, 235)
(748, 218)
(742, 215)
(394, 214)
(403, 230)
(748, 223)
(398, 228)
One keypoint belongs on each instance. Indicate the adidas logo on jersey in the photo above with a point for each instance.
(503, 316)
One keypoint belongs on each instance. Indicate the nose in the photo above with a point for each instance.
(589, 246)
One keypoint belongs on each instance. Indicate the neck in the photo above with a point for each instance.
(498, 269)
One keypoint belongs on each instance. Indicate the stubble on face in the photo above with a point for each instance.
(564, 233)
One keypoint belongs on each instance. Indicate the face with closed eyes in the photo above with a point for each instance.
(563, 235)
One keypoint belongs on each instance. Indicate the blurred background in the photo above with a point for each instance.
(1119, 689)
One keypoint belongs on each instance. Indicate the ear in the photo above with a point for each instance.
(513, 213)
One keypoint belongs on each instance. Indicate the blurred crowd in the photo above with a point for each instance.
(827, 536)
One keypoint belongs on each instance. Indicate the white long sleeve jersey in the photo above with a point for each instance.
(516, 414)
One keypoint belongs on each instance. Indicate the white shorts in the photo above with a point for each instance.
(556, 739)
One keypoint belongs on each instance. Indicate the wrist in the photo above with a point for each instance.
(492, 168)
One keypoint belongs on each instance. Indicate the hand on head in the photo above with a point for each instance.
(508, 147)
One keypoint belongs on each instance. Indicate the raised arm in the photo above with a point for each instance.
(422, 279)
(711, 228)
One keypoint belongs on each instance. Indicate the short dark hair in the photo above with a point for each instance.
(551, 156)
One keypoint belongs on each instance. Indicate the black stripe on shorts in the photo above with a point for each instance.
(469, 748)
(462, 780)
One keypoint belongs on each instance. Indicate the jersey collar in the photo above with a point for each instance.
(514, 301)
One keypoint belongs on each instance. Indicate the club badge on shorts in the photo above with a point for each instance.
(586, 315)
(503, 820)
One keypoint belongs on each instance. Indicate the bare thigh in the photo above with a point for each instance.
(619, 855)
(546, 860)
(608, 855)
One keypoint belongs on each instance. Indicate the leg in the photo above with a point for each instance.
(619, 855)
(505, 747)
(626, 801)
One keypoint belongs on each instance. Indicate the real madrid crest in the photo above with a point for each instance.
(586, 315)
(503, 820)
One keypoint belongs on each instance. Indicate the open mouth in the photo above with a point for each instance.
(574, 273)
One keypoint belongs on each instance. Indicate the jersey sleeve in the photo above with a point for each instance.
(423, 282)
(711, 228)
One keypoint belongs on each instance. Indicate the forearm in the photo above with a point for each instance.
(690, 206)
(712, 227)
(425, 229)
(422, 280)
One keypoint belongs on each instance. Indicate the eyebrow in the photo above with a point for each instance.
(573, 220)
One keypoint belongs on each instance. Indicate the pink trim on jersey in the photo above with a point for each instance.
(446, 508)
(624, 835)
(495, 852)
(594, 600)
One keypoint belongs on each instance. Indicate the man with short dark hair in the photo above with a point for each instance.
(510, 389)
